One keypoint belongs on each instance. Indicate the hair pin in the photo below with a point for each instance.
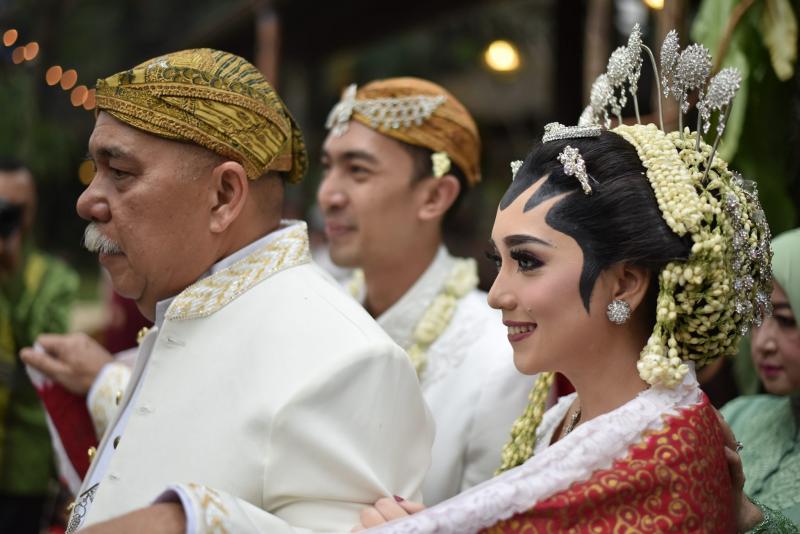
(574, 165)
(515, 165)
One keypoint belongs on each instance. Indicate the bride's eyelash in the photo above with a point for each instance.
(525, 260)
(494, 257)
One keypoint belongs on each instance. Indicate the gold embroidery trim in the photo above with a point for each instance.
(213, 293)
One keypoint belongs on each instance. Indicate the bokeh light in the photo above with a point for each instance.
(79, 95)
(10, 37)
(89, 104)
(86, 172)
(654, 4)
(69, 79)
(18, 55)
(30, 51)
(502, 56)
(53, 75)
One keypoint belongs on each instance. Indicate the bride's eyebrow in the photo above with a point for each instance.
(524, 239)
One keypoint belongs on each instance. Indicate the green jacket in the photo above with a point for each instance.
(767, 426)
(35, 301)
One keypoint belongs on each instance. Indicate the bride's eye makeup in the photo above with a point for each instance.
(526, 261)
(494, 257)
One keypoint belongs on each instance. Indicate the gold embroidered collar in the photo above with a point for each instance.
(212, 293)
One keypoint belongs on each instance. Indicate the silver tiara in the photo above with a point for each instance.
(681, 71)
(555, 131)
(400, 112)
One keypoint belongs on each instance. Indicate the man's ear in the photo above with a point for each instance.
(438, 194)
(229, 191)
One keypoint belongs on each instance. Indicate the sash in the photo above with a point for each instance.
(654, 464)
(675, 480)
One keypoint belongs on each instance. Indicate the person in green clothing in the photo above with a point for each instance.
(35, 295)
(768, 425)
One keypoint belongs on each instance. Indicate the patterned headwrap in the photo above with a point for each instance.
(211, 98)
(417, 112)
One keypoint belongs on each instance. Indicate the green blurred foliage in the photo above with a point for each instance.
(38, 124)
(763, 126)
(27, 134)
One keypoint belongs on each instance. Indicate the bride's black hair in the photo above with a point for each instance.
(618, 222)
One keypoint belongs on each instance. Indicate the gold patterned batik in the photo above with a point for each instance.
(211, 98)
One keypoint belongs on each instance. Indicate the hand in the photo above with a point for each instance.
(747, 514)
(387, 509)
(161, 518)
(72, 360)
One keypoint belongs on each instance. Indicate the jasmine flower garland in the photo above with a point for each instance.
(697, 316)
(462, 279)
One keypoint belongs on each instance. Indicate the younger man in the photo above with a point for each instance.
(400, 154)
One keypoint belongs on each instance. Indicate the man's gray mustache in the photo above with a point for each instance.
(95, 241)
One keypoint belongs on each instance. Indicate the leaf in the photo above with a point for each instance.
(735, 123)
(707, 28)
(779, 32)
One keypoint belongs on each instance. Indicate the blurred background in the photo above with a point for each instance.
(515, 64)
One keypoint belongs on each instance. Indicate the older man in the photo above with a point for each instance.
(36, 292)
(264, 399)
(400, 155)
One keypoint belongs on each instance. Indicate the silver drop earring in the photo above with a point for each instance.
(618, 311)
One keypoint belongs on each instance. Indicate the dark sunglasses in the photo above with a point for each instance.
(10, 218)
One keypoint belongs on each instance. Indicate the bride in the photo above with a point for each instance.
(626, 258)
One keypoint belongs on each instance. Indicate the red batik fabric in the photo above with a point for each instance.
(675, 480)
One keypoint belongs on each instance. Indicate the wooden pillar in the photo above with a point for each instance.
(569, 51)
(597, 46)
(268, 35)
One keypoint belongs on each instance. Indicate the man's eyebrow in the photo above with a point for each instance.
(523, 239)
(360, 154)
(110, 152)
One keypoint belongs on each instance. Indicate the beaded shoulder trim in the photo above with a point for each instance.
(211, 294)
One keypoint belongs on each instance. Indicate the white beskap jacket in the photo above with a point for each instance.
(271, 399)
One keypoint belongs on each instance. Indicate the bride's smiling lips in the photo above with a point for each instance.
(517, 331)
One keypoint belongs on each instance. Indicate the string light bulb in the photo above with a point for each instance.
(80, 96)
(53, 75)
(10, 37)
(18, 55)
(502, 56)
(30, 51)
(86, 171)
(90, 103)
(69, 79)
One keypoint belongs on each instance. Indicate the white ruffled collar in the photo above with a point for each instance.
(593, 445)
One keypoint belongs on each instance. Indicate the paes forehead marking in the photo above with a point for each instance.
(518, 186)
(549, 189)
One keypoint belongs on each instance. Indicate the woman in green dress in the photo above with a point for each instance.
(769, 425)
